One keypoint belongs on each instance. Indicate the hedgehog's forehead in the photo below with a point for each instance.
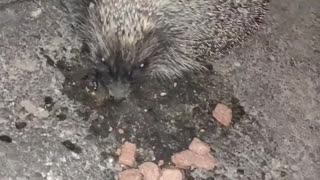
(129, 19)
(129, 30)
(126, 29)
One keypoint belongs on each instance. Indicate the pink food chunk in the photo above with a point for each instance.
(222, 114)
(150, 171)
(206, 162)
(128, 154)
(183, 159)
(172, 174)
(188, 158)
(199, 147)
(130, 174)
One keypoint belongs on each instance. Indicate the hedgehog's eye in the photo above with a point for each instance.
(142, 66)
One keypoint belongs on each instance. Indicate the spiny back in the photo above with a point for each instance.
(171, 36)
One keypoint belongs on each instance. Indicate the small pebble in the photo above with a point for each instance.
(104, 155)
(5, 138)
(237, 64)
(120, 131)
(36, 13)
(50, 61)
(20, 125)
(62, 116)
(240, 171)
(163, 94)
(161, 163)
(21, 178)
(272, 58)
(71, 146)
(48, 103)
(48, 100)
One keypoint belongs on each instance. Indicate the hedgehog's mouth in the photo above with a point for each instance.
(118, 91)
(108, 88)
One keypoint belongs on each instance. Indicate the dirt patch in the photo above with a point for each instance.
(159, 116)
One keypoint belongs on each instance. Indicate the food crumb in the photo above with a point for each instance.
(222, 114)
(128, 154)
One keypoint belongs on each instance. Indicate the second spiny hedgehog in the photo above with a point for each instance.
(161, 39)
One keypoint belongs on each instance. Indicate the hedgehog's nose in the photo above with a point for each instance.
(118, 91)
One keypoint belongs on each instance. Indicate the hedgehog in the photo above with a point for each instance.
(160, 39)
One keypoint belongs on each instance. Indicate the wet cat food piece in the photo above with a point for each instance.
(150, 171)
(223, 114)
(206, 162)
(128, 154)
(187, 159)
(199, 147)
(130, 174)
(172, 174)
(183, 159)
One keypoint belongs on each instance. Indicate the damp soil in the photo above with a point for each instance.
(157, 123)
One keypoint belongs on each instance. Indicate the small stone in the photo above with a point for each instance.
(272, 58)
(29, 66)
(161, 163)
(41, 113)
(20, 125)
(130, 174)
(283, 173)
(120, 131)
(32, 109)
(36, 13)
(104, 155)
(50, 61)
(5, 138)
(48, 100)
(172, 174)
(62, 116)
(75, 155)
(150, 171)
(163, 94)
(71, 146)
(21, 178)
(222, 114)
(28, 106)
(237, 64)
(240, 171)
(48, 103)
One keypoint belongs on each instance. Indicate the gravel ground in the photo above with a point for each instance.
(50, 128)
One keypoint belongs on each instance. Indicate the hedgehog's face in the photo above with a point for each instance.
(116, 75)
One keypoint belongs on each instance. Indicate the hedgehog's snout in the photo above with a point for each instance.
(118, 91)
